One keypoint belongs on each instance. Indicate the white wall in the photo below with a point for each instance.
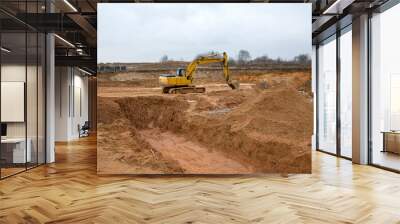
(10, 73)
(62, 82)
(71, 102)
(80, 109)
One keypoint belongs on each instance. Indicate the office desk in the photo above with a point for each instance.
(391, 141)
(13, 150)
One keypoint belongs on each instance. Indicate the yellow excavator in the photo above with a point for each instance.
(182, 81)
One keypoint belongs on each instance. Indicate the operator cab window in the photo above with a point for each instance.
(181, 72)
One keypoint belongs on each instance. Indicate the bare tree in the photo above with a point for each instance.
(302, 59)
(244, 56)
(262, 60)
(231, 62)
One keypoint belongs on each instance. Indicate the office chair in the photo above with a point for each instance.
(84, 130)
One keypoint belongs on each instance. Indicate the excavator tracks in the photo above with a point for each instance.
(185, 90)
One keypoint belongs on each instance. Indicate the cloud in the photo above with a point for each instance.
(145, 32)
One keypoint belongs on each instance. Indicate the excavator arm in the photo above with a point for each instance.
(191, 68)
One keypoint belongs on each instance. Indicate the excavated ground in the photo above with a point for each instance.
(264, 127)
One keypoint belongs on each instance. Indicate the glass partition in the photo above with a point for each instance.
(14, 154)
(33, 60)
(327, 96)
(22, 77)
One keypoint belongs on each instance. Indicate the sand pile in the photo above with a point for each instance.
(266, 131)
(270, 131)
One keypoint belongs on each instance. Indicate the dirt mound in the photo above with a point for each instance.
(153, 111)
(121, 149)
(270, 129)
(254, 129)
(108, 110)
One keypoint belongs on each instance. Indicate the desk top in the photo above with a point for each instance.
(13, 140)
(391, 132)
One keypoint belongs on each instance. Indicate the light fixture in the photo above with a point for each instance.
(5, 50)
(86, 72)
(64, 40)
(70, 5)
(80, 51)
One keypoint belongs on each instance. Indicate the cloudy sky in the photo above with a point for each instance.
(146, 32)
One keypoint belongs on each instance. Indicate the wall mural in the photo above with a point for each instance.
(204, 88)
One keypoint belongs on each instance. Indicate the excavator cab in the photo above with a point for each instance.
(180, 72)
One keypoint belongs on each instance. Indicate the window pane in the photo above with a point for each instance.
(327, 97)
(346, 94)
(13, 86)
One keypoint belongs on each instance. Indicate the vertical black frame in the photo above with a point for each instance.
(369, 81)
(338, 82)
(316, 96)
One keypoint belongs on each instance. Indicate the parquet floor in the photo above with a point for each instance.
(69, 191)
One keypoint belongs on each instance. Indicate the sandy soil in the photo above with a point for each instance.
(264, 127)
(191, 156)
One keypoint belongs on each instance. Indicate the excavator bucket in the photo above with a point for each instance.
(234, 84)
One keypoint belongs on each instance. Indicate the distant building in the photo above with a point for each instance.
(111, 68)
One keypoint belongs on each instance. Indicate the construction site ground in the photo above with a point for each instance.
(264, 127)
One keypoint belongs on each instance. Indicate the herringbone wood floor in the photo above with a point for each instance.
(69, 191)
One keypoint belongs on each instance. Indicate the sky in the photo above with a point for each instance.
(144, 32)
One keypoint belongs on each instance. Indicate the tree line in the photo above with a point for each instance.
(244, 58)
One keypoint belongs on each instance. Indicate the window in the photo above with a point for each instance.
(346, 93)
(327, 96)
(385, 89)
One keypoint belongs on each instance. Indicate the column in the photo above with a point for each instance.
(360, 90)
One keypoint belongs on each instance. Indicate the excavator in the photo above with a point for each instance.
(182, 81)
